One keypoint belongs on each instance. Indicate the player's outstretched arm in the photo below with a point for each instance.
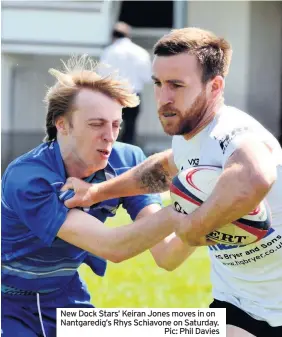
(248, 176)
(170, 252)
(120, 243)
(153, 175)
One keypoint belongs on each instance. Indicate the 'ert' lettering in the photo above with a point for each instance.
(228, 238)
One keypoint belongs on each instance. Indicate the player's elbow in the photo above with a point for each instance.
(120, 255)
(262, 183)
(165, 264)
(167, 267)
(266, 184)
(270, 178)
(116, 257)
(116, 260)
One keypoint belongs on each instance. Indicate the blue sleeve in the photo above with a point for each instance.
(34, 199)
(135, 204)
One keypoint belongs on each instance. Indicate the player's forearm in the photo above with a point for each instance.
(128, 241)
(151, 176)
(120, 243)
(171, 252)
(231, 199)
(247, 178)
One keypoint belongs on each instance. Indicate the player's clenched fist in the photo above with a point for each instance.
(82, 195)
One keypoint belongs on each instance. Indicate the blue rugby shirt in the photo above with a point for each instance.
(33, 258)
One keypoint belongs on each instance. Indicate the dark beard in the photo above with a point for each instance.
(193, 116)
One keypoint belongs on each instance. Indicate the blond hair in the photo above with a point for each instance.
(213, 53)
(79, 73)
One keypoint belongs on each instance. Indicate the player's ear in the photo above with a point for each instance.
(217, 85)
(62, 125)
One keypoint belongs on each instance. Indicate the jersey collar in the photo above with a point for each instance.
(108, 172)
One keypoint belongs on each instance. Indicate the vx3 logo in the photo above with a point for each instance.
(194, 161)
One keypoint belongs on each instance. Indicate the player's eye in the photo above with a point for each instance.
(117, 126)
(95, 125)
(157, 83)
(176, 86)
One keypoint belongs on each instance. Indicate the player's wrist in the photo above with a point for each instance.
(97, 193)
(173, 217)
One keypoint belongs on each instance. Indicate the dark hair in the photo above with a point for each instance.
(213, 53)
(118, 35)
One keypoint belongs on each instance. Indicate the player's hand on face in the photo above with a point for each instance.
(82, 197)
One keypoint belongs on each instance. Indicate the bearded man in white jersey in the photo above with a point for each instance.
(189, 69)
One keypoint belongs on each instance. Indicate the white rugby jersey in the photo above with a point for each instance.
(249, 277)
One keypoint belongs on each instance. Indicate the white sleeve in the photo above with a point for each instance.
(233, 139)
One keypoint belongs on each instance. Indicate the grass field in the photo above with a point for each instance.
(139, 283)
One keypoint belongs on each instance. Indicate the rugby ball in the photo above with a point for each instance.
(191, 187)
